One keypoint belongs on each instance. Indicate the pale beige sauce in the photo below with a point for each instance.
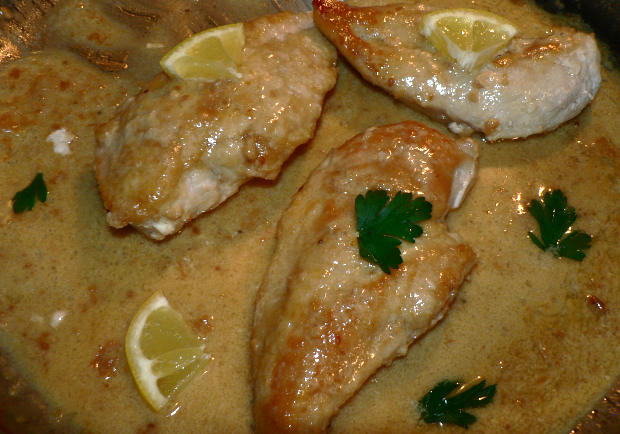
(521, 321)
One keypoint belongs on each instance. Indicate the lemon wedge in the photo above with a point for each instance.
(213, 54)
(162, 352)
(470, 37)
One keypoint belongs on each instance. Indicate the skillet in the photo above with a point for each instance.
(19, 30)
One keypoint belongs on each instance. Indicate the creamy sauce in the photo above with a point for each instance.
(69, 284)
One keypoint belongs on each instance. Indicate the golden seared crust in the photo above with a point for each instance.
(326, 319)
(537, 85)
(180, 148)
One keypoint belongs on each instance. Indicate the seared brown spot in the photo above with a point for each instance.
(490, 125)
(15, 73)
(538, 51)
(64, 85)
(254, 149)
(502, 61)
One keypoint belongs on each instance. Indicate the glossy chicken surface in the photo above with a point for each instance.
(533, 87)
(326, 319)
(180, 148)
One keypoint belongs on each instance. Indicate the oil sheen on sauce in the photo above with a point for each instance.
(544, 329)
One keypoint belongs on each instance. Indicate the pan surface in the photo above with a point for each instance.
(64, 268)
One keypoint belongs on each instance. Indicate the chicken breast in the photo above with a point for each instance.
(535, 86)
(325, 318)
(180, 148)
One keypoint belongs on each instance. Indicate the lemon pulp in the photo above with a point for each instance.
(162, 352)
(213, 54)
(470, 37)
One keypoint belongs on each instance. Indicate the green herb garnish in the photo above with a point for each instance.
(24, 199)
(380, 225)
(440, 405)
(554, 218)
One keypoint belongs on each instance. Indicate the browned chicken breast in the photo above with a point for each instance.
(325, 318)
(180, 148)
(535, 86)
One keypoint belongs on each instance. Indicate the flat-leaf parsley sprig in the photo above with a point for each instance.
(555, 217)
(445, 403)
(24, 199)
(381, 225)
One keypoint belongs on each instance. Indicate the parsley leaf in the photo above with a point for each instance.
(555, 218)
(439, 406)
(380, 225)
(25, 198)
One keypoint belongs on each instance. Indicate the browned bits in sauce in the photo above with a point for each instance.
(203, 325)
(64, 85)
(92, 298)
(603, 149)
(596, 303)
(106, 360)
(42, 341)
(149, 428)
(95, 36)
(7, 121)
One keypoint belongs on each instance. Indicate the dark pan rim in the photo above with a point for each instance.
(24, 410)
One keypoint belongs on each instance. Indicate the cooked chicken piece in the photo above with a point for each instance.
(326, 319)
(533, 87)
(180, 148)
